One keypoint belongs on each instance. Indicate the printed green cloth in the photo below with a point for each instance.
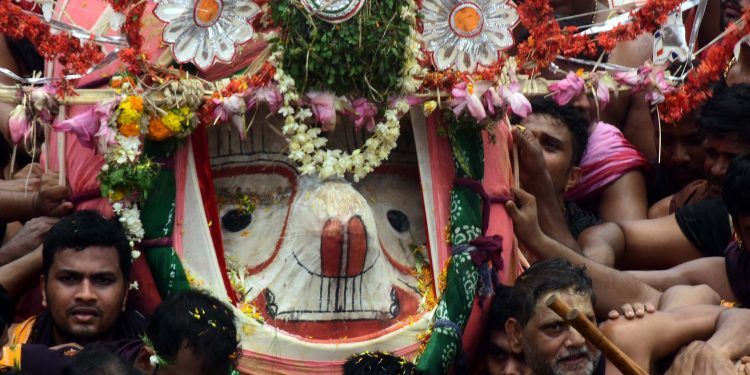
(463, 276)
(157, 215)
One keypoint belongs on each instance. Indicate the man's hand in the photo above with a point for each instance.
(701, 358)
(32, 233)
(634, 310)
(31, 170)
(51, 200)
(533, 168)
(522, 210)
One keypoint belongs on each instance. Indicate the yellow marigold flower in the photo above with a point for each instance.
(172, 121)
(115, 196)
(157, 131)
(130, 129)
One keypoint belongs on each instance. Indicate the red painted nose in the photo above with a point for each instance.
(335, 260)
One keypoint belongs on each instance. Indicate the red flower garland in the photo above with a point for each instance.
(132, 55)
(547, 39)
(696, 89)
(74, 55)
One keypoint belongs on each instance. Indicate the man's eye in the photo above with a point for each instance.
(67, 279)
(550, 145)
(555, 328)
(103, 280)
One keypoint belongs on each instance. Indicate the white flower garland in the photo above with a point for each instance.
(305, 143)
(126, 151)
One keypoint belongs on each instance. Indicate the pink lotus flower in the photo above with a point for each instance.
(323, 106)
(659, 87)
(364, 112)
(232, 109)
(513, 97)
(467, 96)
(567, 89)
(19, 124)
(268, 94)
(602, 93)
(92, 125)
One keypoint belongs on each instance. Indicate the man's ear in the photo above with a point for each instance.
(573, 176)
(42, 283)
(142, 360)
(515, 334)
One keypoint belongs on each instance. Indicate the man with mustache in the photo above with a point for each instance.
(551, 347)
(86, 263)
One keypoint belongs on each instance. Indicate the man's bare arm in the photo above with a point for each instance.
(20, 276)
(613, 288)
(661, 333)
(656, 244)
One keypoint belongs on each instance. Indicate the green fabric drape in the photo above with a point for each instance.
(157, 215)
(462, 276)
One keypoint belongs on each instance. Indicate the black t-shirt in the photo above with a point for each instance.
(706, 224)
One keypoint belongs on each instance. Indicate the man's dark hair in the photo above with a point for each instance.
(726, 113)
(98, 361)
(547, 276)
(82, 229)
(200, 322)
(736, 189)
(502, 305)
(570, 116)
(378, 363)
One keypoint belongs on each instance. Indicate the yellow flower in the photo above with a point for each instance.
(116, 196)
(172, 121)
(429, 107)
(131, 111)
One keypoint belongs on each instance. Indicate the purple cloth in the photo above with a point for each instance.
(738, 272)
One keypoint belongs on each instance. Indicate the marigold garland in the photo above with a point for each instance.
(75, 57)
(696, 89)
(547, 39)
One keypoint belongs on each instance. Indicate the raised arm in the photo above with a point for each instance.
(613, 287)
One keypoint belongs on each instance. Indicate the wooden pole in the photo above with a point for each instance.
(588, 330)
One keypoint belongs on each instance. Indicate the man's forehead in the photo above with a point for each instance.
(552, 125)
(574, 299)
(90, 259)
(730, 143)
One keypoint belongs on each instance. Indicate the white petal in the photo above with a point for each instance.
(169, 11)
(204, 57)
(186, 46)
(241, 33)
(176, 28)
(224, 47)
(242, 8)
(445, 57)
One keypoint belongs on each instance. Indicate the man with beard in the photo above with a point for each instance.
(86, 265)
(550, 346)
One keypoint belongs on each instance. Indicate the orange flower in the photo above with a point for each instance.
(136, 102)
(157, 131)
(130, 129)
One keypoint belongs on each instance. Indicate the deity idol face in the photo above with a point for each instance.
(317, 254)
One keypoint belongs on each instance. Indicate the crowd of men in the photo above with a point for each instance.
(639, 225)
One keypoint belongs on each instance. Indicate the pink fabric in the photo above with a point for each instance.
(82, 166)
(608, 156)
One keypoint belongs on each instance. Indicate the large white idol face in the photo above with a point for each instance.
(324, 260)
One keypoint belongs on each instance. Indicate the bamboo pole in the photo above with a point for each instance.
(589, 331)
